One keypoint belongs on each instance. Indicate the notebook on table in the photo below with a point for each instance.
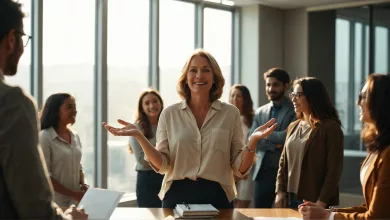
(196, 210)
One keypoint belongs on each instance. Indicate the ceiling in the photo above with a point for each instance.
(291, 3)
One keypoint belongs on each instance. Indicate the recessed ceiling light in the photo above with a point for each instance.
(228, 2)
(215, 1)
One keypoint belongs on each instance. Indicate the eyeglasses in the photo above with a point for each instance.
(361, 96)
(296, 95)
(25, 38)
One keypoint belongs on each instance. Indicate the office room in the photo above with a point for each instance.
(153, 78)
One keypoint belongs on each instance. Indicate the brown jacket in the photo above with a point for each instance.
(321, 165)
(376, 190)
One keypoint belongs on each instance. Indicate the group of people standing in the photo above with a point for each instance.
(300, 159)
(195, 151)
(201, 149)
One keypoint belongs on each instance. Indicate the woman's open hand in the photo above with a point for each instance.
(129, 129)
(264, 130)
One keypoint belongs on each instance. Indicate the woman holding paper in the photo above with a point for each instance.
(312, 159)
(148, 184)
(200, 142)
(375, 171)
(61, 147)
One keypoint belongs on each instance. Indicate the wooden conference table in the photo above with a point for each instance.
(226, 214)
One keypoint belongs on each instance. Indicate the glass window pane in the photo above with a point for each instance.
(68, 64)
(128, 40)
(342, 69)
(22, 78)
(367, 45)
(218, 41)
(359, 72)
(381, 49)
(176, 44)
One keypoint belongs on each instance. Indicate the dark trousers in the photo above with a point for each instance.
(265, 185)
(147, 189)
(200, 191)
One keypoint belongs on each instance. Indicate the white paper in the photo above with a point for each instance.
(276, 218)
(100, 203)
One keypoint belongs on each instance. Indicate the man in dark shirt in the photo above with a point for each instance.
(25, 191)
(269, 150)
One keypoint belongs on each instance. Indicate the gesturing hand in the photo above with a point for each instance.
(129, 129)
(75, 213)
(264, 130)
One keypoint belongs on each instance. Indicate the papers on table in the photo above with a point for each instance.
(195, 211)
(100, 203)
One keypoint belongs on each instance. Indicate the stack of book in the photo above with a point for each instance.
(198, 211)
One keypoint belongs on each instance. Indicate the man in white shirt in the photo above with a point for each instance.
(25, 191)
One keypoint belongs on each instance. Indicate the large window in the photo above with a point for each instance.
(353, 63)
(128, 40)
(68, 63)
(176, 44)
(218, 41)
(352, 45)
(22, 78)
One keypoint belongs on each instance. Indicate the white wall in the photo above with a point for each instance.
(271, 44)
(262, 34)
(250, 50)
(296, 43)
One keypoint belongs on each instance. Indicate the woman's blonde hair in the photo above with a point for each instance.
(219, 81)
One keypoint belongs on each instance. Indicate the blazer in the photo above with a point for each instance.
(25, 190)
(321, 165)
(262, 115)
(376, 190)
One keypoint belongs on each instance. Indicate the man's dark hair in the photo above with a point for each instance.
(279, 74)
(11, 17)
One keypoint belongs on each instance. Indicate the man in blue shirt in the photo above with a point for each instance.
(269, 150)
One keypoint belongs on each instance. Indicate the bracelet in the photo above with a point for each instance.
(250, 151)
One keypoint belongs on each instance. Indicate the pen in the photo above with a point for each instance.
(187, 206)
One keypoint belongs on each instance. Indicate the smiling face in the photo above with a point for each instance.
(363, 106)
(68, 112)
(299, 100)
(200, 76)
(274, 89)
(237, 99)
(151, 105)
